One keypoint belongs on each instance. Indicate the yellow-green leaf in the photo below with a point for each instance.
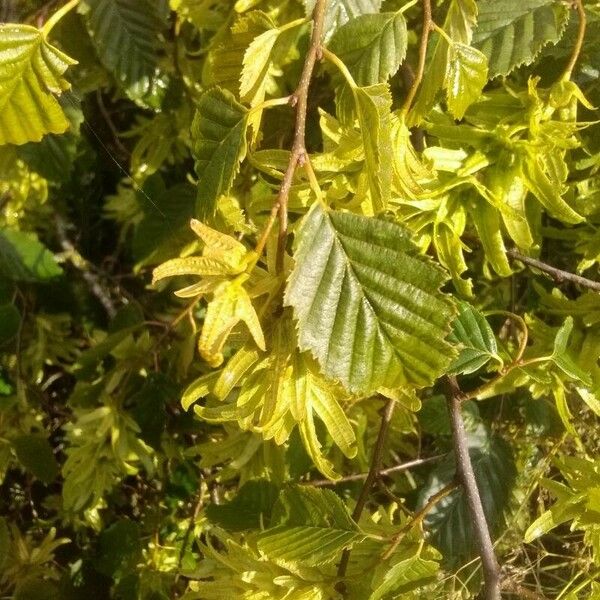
(31, 72)
(230, 305)
(466, 74)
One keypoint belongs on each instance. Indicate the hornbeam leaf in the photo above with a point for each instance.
(307, 546)
(219, 135)
(230, 305)
(487, 221)
(225, 62)
(547, 192)
(342, 11)
(466, 74)
(256, 65)
(476, 339)
(372, 46)
(31, 72)
(373, 104)
(512, 33)
(367, 304)
(127, 38)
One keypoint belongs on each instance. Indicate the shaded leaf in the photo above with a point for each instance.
(367, 305)
(126, 37)
(475, 338)
(250, 508)
(219, 136)
(450, 520)
(35, 454)
(24, 258)
(373, 106)
(10, 321)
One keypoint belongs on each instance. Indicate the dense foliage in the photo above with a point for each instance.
(256, 259)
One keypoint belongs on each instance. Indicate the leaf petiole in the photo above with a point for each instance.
(58, 15)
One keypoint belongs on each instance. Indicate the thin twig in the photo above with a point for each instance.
(578, 4)
(186, 537)
(92, 279)
(298, 153)
(465, 474)
(417, 462)
(109, 122)
(374, 471)
(419, 516)
(427, 26)
(521, 592)
(558, 274)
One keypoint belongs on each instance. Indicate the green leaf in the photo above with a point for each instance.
(458, 26)
(164, 227)
(256, 65)
(487, 221)
(561, 357)
(466, 74)
(225, 62)
(512, 33)
(4, 541)
(308, 546)
(342, 11)
(127, 38)
(250, 508)
(219, 136)
(314, 528)
(24, 258)
(450, 520)
(31, 72)
(35, 454)
(473, 334)
(372, 46)
(403, 577)
(119, 547)
(10, 321)
(368, 305)
(373, 106)
(547, 192)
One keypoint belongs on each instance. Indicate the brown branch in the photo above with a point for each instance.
(299, 99)
(427, 26)
(578, 4)
(405, 466)
(419, 516)
(465, 474)
(109, 122)
(92, 279)
(372, 475)
(558, 274)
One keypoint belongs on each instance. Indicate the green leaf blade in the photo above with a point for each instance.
(372, 46)
(219, 135)
(372, 316)
(30, 76)
(511, 34)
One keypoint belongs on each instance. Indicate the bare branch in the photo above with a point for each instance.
(427, 26)
(92, 279)
(405, 466)
(558, 274)
(578, 4)
(419, 516)
(464, 472)
(372, 475)
(299, 99)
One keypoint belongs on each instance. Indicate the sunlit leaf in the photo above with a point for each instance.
(385, 320)
(466, 74)
(219, 135)
(31, 72)
(512, 33)
(372, 46)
